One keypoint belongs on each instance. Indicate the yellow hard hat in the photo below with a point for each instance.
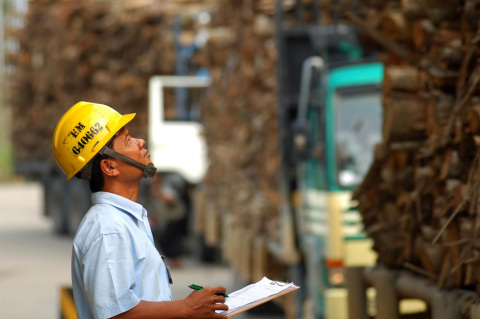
(82, 132)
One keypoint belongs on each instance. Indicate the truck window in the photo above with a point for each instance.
(183, 104)
(357, 130)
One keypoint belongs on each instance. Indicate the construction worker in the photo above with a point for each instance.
(116, 269)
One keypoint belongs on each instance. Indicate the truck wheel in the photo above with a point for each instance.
(297, 274)
(78, 203)
(55, 202)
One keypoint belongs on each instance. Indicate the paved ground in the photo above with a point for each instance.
(35, 263)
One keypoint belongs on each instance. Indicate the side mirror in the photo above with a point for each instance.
(301, 141)
(300, 129)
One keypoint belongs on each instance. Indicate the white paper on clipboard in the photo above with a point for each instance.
(255, 294)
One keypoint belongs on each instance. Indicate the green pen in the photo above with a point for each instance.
(196, 287)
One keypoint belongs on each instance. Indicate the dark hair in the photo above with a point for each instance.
(97, 181)
(96, 178)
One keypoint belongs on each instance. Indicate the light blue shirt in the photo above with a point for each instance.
(114, 260)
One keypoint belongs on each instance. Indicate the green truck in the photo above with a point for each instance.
(343, 128)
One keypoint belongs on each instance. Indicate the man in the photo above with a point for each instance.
(116, 269)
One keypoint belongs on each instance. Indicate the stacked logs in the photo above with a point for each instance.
(99, 51)
(420, 199)
(240, 197)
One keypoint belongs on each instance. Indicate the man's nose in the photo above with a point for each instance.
(140, 142)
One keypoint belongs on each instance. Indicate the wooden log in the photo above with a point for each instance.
(439, 81)
(259, 258)
(439, 108)
(245, 254)
(471, 14)
(431, 257)
(447, 48)
(453, 235)
(422, 34)
(473, 119)
(467, 151)
(445, 281)
(389, 44)
(404, 117)
(394, 25)
(401, 78)
(470, 278)
(443, 12)
(454, 189)
(435, 10)
(413, 9)
(452, 166)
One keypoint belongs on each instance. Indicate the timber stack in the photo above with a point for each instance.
(420, 200)
(239, 203)
(240, 117)
(99, 51)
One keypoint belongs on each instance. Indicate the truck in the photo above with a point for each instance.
(343, 129)
(343, 126)
(330, 119)
(331, 135)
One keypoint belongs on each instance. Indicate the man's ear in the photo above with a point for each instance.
(109, 167)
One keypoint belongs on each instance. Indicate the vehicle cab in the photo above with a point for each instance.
(344, 126)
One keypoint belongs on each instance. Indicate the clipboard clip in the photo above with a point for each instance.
(278, 283)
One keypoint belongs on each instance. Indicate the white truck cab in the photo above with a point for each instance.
(176, 146)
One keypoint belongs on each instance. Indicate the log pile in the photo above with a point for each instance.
(420, 199)
(239, 205)
(241, 129)
(99, 51)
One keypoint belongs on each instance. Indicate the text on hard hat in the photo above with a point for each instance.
(86, 138)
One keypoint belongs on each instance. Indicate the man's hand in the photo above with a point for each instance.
(199, 304)
(203, 303)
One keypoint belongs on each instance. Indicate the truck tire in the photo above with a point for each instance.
(78, 203)
(55, 197)
(297, 274)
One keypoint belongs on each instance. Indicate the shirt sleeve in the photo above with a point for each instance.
(109, 276)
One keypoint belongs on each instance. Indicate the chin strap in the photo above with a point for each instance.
(148, 170)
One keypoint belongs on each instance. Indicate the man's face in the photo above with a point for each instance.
(131, 147)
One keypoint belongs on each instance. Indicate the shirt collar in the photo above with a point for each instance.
(122, 203)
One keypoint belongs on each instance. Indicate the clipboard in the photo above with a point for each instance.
(256, 294)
